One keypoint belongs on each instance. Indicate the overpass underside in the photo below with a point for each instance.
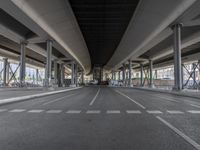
(100, 75)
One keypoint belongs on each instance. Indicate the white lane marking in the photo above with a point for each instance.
(174, 112)
(137, 103)
(2, 110)
(154, 112)
(166, 98)
(95, 97)
(93, 112)
(17, 110)
(58, 99)
(177, 131)
(197, 106)
(35, 111)
(54, 111)
(73, 112)
(194, 111)
(113, 112)
(133, 112)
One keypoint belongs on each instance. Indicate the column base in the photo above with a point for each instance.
(72, 85)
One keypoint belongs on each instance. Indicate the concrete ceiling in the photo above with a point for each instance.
(103, 23)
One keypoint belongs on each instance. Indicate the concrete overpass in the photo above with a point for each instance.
(75, 41)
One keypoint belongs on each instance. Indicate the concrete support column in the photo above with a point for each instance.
(112, 75)
(62, 74)
(22, 64)
(82, 77)
(118, 75)
(151, 73)
(124, 74)
(194, 74)
(141, 74)
(177, 57)
(48, 63)
(5, 64)
(8, 73)
(129, 73)
(37, 76)
(76, 74)
(73, 73)
(55, 71)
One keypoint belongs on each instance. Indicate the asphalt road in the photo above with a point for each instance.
(102, 118)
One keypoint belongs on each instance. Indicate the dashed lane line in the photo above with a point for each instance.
(154, 112)
(99, 111)
(58, 99)
(181, 134)
(95, 97)
(113, 111)
(133, 112)
(137, 103)
(35, 111)
(73, 112)
(54, 111)
(93, 112)
(174, 112)
(17, 110)
(194, 111)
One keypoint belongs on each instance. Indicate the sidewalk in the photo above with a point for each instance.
(21, 94)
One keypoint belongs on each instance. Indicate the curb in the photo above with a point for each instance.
(22, 98)
(168, 92)
(162, 91)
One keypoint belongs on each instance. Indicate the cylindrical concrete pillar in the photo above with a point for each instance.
(118, 75)
(82, 77)
(177, 57)
(72, 73)
(151, 73)
(124, 74)
(37, 76)
(5, 64)
(129, 73)
(141, 74)
(76, 74)
(48, 63)
(62, 74)
(22, 64)
(55, 71)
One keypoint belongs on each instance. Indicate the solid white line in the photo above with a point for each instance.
(35, 111)
(154, 112)
(17, 110)
(58, 99)
(133, 112)
(174, 112)
(197, 106)
(2, 110)
(73, 112)
(194, 111)
(137, 103)
(93, 112)
(54, 111)
(185, 137)
(95, 97)
(113, 112)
